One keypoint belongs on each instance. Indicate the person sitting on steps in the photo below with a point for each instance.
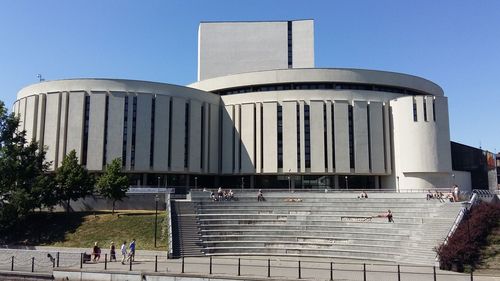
(260, 196)
(363, 195)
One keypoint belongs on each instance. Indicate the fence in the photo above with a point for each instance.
(244, 266)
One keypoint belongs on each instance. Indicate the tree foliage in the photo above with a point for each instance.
(464, 246)
(24, 182)
(72, 181)
(112, 184)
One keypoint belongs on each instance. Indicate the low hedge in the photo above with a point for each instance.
(464, 247)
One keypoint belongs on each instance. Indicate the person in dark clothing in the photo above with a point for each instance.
(389, 216)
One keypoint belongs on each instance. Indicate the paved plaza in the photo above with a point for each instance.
(225, 268)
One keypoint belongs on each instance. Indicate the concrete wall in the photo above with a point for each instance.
(422, 155)
(238, 133)
(329, 132)
(54, 114)
(236, 47)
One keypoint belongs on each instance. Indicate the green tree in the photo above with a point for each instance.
(24, 182)
(113, 184)
(72, 181)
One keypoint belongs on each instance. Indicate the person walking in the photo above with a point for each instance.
(97, 252)
(124, 252)
(112, 252)
(132, 250)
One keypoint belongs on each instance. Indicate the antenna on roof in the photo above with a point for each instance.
(40, 78)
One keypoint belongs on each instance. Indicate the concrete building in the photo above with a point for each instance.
(260, 116)
(473, 167)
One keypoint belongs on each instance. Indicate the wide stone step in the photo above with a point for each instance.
(322, 224)
(348, 233)
(281, 204)
(374, 229)
(311, 214)
(340, 253)
(308, 239)
(284, 220)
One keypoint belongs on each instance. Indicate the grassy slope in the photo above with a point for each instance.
(490, 263)
(84, 228)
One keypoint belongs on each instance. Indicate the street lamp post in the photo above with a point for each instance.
(158, 188)
(289, 181)
(195, 182)
(397, 182)
(242, 182)
(346, 183)
(157, 198)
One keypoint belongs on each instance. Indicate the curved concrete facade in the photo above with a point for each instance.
(153, 127)
(325, 128)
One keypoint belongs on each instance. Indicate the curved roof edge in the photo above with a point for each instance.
(104, 84)
(349, 75)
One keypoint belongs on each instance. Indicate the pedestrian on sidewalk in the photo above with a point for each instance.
(124, 252)
(97, 252)
(112, 252)
(131, 247)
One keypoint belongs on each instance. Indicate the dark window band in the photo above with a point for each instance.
(317, 86)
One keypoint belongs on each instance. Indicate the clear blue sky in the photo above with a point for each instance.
(453, 43)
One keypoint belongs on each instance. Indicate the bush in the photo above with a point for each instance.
(463, 247)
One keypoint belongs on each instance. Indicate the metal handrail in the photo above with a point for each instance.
(465, 208)
(326, 189)
(169, 221)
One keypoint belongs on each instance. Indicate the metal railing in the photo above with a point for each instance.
(465, 208)
(251, 267)
(169, 222)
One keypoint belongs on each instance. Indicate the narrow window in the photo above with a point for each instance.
(239, 138)
(134, 123)
(307, 137)
(425, 108)
(202, 134)
(125, 132)
(369, 137)
(233, 145)
(280, 135)
(384, 131)
(414, 110)
(325, 136)
(169, 160)
(434, 109)
(351, 136)
(186, 135)
(106, 109)
(86, 131)
(290, 45)
(152, 141)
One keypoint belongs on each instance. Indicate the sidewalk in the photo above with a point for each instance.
(251, 268)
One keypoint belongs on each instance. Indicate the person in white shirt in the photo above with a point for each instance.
(456, 193)
(124, 252)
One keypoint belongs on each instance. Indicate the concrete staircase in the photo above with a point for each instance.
(186, 232)
(334, 225)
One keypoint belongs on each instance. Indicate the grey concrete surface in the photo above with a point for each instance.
(223, 268)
